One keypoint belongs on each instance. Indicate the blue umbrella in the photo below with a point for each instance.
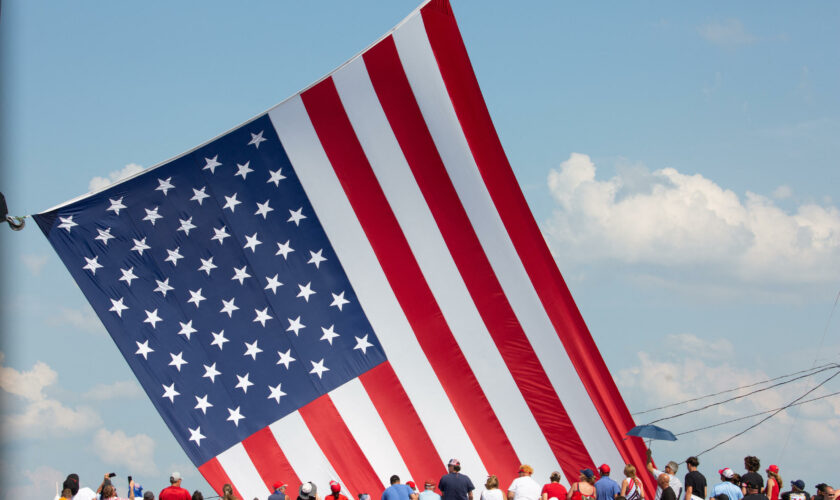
(651, 431)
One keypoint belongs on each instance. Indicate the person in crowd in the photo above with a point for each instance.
(428, 492)
(554, 489)
(308, 491)
(174, 490)
(606, 488)
(149, 495)
(774, 483)
(524, 487)
(109, 492)
(729, 485)
(671, 470)
(454, 485)
(491, 489)
(664, 483)
(584, 489)
(797, 491)
(335, 492)
(753, 490)
(227, 492)
(752, 464)
(66, 494)
(398, 491)
(631, 487)
(278, 491)
(695, 482)
(824, 492)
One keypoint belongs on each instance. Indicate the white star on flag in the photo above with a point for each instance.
(275, 393)
(252, 350)
(104, 235)
(295, 325)
(116, 205)
(118, 306)
(152, 317)
(152, 215)
(67, 223)
(219, 339)
(306, 291)
(140, 246)
(177, 360)
(256, 139)
(240, 274)
(319, 368)
(207, 265)
(244, 383)
(296, 216)
(273, 283)
(242, 170)
(210, 372)
(316, 258)
(163, 286)
(220, 234)
(284, 249)
(144, 349)
(165, 186)
(339, 301)
(202, 404)
(199, 195)
(211, 164)
(187, 329)
(92, 264)
(174, 255)
(285, 358)
(252, 242)
(186, 225)
(263, 209)
(196, 435)
(128, 275)
(231, 202)
(275, 177)
(170, 392)
(362, 344)
(228, 307)
(196, 297)
(262, 316)
(329, 334)
(235, 415)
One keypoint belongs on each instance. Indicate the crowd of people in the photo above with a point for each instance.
(590, 485)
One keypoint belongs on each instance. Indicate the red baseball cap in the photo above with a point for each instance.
(279, 484)
(773, 468)
(604, 469)
(335, 487)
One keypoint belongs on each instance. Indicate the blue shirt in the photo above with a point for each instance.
(428, 495)
(397, 492)
(455, 486)
(606, 488)
(277, 495)
(730, 489)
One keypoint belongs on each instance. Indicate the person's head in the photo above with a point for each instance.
(412, 485)
(149, 495)
(72, 483)
(175, 478)
(726, 474)
(692, 463)
(587, 475)
(334, 487)
(492, 482)
(279, 486)
(751, 463)
(454, 465)
(197, 495)
(66, 493)
(798, 485)
(395, 479)
(555, 477)
(630, 471)
(671, 467)
(227, 489)
(736, 479)
(108, 491)
(525, 470)
(429, 484)
(664, 480)
(604, 470)
(773, 472)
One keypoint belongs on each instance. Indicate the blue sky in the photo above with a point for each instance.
(682, 161)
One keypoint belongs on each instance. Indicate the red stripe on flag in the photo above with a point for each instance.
(270, 461)
(463, 89)
(340, 448)
(216, 476)
(406, 120)
(403, 424)
(339, 141)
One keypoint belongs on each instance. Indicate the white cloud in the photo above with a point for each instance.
(40, 483)
(136, 453)
(35, 263)
(41, 416)
(119, 389)
(782, 192)
(728, 33)
(666, 218)
(98, 183)
(83, 318)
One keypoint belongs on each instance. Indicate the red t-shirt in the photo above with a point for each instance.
(555, 490)
(174, 493)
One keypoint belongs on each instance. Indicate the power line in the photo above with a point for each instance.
(768, 417)
(832, 366)
(755, 414)
(735, 389)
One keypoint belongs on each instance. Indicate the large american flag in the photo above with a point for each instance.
(350, 286)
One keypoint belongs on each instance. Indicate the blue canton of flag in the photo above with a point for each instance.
(218, 284)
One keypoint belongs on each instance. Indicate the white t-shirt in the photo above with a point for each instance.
(83, 494)
(525, 488)
(494, 494)
(675, 484)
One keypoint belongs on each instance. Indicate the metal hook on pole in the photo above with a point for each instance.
(16, 223)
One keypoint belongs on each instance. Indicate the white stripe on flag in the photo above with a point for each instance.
(427, 84)
(302, 451)
(241, 471)
(355, 407)
(350, 243)
(419, 227)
